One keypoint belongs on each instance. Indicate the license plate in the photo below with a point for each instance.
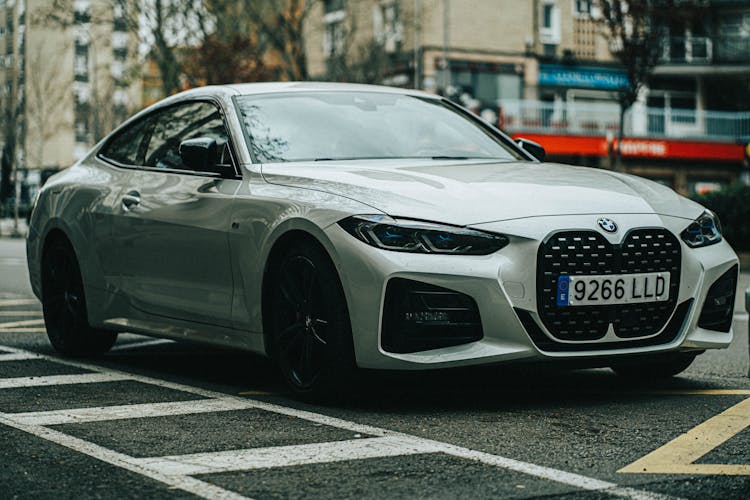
(602, 290)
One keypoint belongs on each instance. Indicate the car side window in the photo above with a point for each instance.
(182, 122)
(126, 147)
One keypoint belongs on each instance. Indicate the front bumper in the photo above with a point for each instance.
(504, 283)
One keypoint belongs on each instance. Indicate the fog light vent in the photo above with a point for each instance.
(420, 317)
(718, 308)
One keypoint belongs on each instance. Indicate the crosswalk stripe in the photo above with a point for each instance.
(284, 456)
(173, 469)
(189, 484)
(83, 378)
(100, 413)
(18, 356)
(20, 313)
(26, 322)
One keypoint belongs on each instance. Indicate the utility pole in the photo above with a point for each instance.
(417, 41)
(446, 41)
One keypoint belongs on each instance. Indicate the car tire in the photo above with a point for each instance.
(310, 327)
(64, 305)
(660, 366)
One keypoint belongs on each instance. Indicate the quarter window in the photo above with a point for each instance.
(179, 123)
(126, 147)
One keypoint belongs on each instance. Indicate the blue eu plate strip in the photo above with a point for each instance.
(563, 287)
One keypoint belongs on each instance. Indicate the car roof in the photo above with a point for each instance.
(279, 87)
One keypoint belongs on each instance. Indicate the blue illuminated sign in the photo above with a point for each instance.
(582, 77)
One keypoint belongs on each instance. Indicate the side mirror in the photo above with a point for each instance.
(200, 154)
(534, 149)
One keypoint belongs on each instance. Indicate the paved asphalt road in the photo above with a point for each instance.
(167, 420)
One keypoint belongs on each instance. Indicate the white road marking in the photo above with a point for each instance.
(18, 356)
(145, 343)
(83, 378)
(188, 484)
(99, 413)
(740, 316)
(23, 330)
(285, 456)
(11, 261)
(16, 324)
(20, 313)
(18, 302)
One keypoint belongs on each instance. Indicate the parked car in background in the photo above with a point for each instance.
(335, 226)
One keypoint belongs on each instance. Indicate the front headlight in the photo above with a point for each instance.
(703, 231)
(421, 237)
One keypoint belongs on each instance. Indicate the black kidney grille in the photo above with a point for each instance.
(589, 253)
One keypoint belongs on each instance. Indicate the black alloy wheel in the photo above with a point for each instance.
(311, 335)
(64, 305)
(656, 366)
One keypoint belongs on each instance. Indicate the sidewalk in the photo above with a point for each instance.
(6, 228)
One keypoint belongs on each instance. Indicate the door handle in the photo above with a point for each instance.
(130, 200)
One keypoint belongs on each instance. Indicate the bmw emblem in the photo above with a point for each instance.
(607, 224)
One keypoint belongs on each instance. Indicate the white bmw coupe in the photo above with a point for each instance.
(341, 226)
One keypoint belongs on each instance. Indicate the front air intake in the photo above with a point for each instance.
(719, 305)
(419, 317)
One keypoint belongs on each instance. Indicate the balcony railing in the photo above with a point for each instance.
(640, 121)
(682, 50)
(721, 49)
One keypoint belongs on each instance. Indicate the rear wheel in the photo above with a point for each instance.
(64, 305)
(658, 366)
(311, 333)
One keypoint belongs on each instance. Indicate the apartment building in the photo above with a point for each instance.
(542, 69)
(69, 76)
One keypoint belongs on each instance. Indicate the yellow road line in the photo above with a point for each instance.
(24, 330)
(677, 456)
(20, 313)
(26, 322)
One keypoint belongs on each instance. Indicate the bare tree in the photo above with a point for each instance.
(634, 31)
(45, 98)
(165, 26)
(281, 23)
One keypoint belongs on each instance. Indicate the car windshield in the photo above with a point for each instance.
(329, 126)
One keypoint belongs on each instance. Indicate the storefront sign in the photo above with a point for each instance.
(582, 77)
(567, 145)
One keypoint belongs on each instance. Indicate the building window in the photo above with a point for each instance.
(549, 32)
(387, 25)
(334, 36)
(333, 5)
(581, 8)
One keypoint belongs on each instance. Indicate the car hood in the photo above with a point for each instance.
(465, 193)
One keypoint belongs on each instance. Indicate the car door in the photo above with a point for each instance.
(173, 223)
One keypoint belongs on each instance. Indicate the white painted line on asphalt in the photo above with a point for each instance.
(548, 473)
(18, 356)
(23, 330)
(16, 324)
(83, 378)
(145, 343)
(285, 456)
(188, 484)
(100, 413)
(740, 316)
(20, 313)
(18, 302)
